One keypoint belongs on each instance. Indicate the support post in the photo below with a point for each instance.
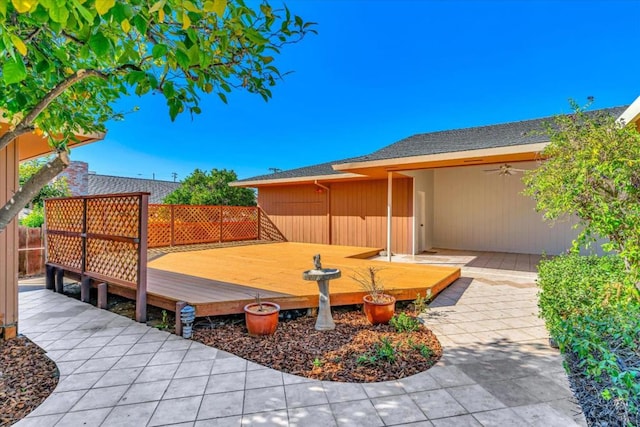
(59, 280)
(85, 289)
(50, 281)
(389, 213)
(141, 289)
(220, 235)
(173, 226)
(102, 296)
(179, 306)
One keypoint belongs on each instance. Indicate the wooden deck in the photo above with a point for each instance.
(221, 281)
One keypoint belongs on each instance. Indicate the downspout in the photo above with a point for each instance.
(328, 190)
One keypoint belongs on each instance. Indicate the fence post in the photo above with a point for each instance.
(59, 280)
(172, 225)
(50, 281)
(85, 289)
(179, 306)
(259, 223)
(83, 237)
(141, 288)
(220, 235)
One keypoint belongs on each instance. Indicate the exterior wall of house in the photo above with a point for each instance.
(8, 244)
(475, 210)
(350, 213)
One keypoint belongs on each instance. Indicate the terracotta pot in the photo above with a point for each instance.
(262, 322)
(379, 312)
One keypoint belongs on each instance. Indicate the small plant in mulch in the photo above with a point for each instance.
(354, 352)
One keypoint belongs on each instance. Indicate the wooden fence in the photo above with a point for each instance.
(30, 251)
(173, 225)
(101, 238)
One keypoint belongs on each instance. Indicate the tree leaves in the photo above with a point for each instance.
(23, 6)
(104, 6)
(99, 44)
(14, 71)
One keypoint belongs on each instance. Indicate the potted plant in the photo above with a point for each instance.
(378, 306)
(260, 317)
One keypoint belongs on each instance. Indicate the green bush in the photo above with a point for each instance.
(403, 323)
(34, 219)
(592, 309)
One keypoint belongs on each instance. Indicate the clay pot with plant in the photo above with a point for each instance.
(261, 317)
(378, 306)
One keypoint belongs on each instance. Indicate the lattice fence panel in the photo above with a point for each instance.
(65, 250)
(268, 230)
(113, 259)
(196, 224)
(64, 215)
(159, 226)
(239, 223)
(114, 216)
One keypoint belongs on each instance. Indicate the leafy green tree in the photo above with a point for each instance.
(56, 188)
(66, 62)
(202, 188)
(592, 170)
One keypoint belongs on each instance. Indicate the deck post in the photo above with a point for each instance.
(102, 296)
(389, 213)
(59, 280)
(179, 306)
(85, 289)
(141, 288)
(50, 281)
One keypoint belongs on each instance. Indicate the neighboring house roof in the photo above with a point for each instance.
(522, 133)
(106, 184)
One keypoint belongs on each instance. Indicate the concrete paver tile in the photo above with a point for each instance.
(137, 414)
(437, 404)
(119, 377)
(167, 357)
(292, 379)
(510, 393)
(133, 361)
(100, 397)
(194, 369)
(419, 382)
(266, 419)
(543, 388)
(263, 378)
(305, 394)
(388, 388)
(173, 345)
(499, 418)
(79, 381)
(144, 392)
(113, 350)
(91, 417)
(59, 403)
(543, 415)
(126, 339)
(474, 398)
(229, 364)
(234, 421)
(174, 411)
(221, 405)
(75, 354)
(144, 347)
(196, 353)
(312, 416)
(398, 409)
(156, 373)
(449, 376)
(221, 383)
(356, 413)
(94, 342)
(343, 392)
(97, 365)
(264, 399)
(43, 421)
(185, 387)
(459, 421)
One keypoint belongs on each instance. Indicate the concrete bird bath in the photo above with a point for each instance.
(322, 276)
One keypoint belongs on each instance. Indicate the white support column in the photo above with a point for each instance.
(389, 213)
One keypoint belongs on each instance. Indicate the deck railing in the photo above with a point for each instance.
(174, 225)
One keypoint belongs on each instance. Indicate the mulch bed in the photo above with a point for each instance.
(27, 378)
(353, 352)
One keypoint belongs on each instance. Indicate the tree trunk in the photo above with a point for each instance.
(29, 190)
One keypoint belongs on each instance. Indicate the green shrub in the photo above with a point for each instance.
(403, 323)
(34, 219)
(592, 309)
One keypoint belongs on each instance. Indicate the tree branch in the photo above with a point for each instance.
(30, 188)
(26, 124)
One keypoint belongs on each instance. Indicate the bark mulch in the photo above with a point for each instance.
(354, 352)
(27, 378)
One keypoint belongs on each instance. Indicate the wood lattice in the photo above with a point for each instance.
(159, 226)
(239, 223)
(268, 230)
(196, 224)
(97, 236)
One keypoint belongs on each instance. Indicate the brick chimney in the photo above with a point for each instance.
(77, 177)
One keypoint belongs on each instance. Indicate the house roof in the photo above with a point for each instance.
(106, 184)
(498, 142)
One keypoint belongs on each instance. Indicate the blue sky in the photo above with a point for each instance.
(379, 71)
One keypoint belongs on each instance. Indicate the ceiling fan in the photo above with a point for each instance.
(505, 170)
